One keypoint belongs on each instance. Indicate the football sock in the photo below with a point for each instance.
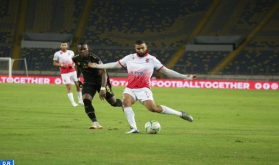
(167, 110)
(130, 117)
(79, 95)
(118, 103)
(90, 111)
(71, 97)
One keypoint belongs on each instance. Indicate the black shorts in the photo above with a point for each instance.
(91, 88)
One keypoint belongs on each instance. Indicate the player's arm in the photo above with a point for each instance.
(73, 65)
(111, 65)
(174, 74)
(78, 76)
(56, 63)
(102, 93)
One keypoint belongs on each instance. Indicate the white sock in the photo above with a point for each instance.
(130, 117)
(79, 96)
(167, 110)
(71, 97)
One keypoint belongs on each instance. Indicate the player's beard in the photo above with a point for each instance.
(141, 54)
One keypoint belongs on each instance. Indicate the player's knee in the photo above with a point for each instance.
(153, 109)
(126, 103)
(118, 103)
(69, 89)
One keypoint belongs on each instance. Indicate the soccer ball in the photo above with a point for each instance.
(152, 127)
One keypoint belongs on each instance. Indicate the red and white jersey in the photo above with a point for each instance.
(140, 69)
(65, 57)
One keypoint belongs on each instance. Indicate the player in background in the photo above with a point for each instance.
(95, 80)
(63, 59)
(140, 67)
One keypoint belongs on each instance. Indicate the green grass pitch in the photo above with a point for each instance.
(39, 126)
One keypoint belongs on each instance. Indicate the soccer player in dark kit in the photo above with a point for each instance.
(95, 80)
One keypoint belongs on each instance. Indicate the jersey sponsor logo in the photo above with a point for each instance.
(137, 73)
(147, 60)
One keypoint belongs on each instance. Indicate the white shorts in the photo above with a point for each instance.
(67, 77)
(141, 94)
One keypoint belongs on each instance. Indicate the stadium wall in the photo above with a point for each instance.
(168, 83)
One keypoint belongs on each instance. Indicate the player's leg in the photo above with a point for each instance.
(111, 98)
(88, 94)
(114, 102)
(128, 100)
(90, 111)
(79, 93)
(151, 106)
(70, 95)
(145, 96)
(67, 82)
(75, 79)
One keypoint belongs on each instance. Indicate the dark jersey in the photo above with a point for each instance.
(90, 75)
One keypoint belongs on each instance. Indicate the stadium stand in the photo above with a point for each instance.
(113, 26)
(5, 51)
(8, 21)
(261, 55)
(38, 16)
(72, 13)
(60, 16)
(254, 63)
(199, 61)
(243, 16)
(110, 55)
(39, 59)
(161, 23)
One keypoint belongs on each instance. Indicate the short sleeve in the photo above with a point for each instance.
(95, 59)
(72, 54)
(123, 61)
(55, 57)
(157, 64)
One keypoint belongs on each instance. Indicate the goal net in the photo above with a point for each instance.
(6, 66)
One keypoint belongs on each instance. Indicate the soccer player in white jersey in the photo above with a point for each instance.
(140, 67)
(63, 59)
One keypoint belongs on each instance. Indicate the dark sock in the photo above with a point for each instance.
(89, 109)
(118, 103)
